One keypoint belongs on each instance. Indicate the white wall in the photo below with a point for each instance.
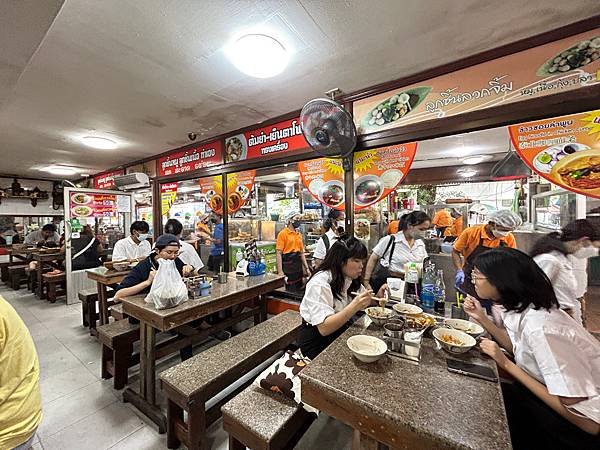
(22, 207)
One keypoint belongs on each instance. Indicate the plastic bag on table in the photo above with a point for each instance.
(168, 289)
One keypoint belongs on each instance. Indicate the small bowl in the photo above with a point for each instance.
(466, 342)
(378, 316)
(366, 348)
(465, 326)
(406, 309)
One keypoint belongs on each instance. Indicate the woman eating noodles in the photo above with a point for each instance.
(393, 251)
(551, 253)
(555, 401)
(326, 307)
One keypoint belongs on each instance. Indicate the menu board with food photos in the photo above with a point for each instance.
(168, 194)
(83, 205)
(376, 173)
(564, 150)
(239, 189)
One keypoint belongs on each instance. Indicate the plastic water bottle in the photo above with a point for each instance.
(412, 282)
(427, 289)
(440, 293)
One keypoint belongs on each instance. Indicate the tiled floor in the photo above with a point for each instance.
(82, 411)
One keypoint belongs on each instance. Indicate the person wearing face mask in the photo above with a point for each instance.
(188, 253)
(551, 253)
(454, 231)
(134, 247)
(291, 260)
(476, 239)
(333, 228)
(392, 252)
(441, 221)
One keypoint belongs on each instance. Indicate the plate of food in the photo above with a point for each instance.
(368, 189)
(216, 203)
(395, 107)
(234, 202)
(406, 309)
(465, 326)
(82, 211)
(379, 315)
(362, 229)
(81, 199)
(332, 193)
(545, 160)
(236, 148)
(580, 171)
(454, 341)
(420, 321)
(579, 55)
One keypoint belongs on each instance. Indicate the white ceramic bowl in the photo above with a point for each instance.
(366, 348)
(406, 309)
(466, 342)
(378, 316)
(465, 326)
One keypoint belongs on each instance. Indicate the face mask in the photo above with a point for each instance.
(586, 252)
(500, 234)
(296, 224)
(418, 234)
(142, 237)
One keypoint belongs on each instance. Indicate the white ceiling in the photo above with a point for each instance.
(145, 73)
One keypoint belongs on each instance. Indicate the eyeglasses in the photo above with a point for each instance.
(475, 277)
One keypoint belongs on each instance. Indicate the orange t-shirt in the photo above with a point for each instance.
(456, 228)
(469, 239)
(289, 241)
(442, 219)
(393, 226)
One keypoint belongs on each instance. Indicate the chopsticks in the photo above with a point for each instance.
(379, 299)
(459, 298)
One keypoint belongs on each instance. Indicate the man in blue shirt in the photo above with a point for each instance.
(216, 258)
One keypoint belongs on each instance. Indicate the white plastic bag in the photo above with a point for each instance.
(168, 289)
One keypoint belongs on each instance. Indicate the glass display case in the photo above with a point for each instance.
(553, 209)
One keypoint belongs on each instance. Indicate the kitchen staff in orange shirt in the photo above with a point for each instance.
(475, 240)
(441, 221)
(456, 229)
(290, 253)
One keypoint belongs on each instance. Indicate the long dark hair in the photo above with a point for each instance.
(173, 226)
(332, 217)
(555, 241)
(518, 279)
(341, 251)
(413, 219)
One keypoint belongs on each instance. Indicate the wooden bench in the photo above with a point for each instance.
(89, 309)
(191, 384)
(263, 420)
(52, 283)
(17, 276)
(116, 311)
(117, 340)
(4, 271)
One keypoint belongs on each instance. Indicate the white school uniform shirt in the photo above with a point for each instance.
(320, 249)
(555, 350)
(189, 255)
(580, 266)
(127, 249)
(402, 252)
(558, 268)
(318, 302)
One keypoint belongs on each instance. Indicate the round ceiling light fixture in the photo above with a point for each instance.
(59, 170)
(99, 142)
(258, 55)
(476, 159)
(466, 173)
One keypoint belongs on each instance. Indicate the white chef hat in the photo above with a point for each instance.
(289, 216)
(506, 218)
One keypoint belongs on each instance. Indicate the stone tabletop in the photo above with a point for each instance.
(425, 400)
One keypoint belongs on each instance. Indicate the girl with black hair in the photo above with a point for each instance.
(555, 402)
(333, 228)
(392, 252)
(326, 307)
(188, 253)
(552, 252)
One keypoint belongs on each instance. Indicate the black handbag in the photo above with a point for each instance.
(381, 273)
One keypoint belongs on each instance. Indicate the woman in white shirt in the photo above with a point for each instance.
(392, 252)
(332, 225)
(326, 307)
(551, 253)
(187, 253)
(555, 402)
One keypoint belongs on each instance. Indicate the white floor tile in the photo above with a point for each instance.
(65, 383)
(145, 438)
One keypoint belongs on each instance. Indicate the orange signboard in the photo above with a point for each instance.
(239, 190)
(564, 150)
(558, 66)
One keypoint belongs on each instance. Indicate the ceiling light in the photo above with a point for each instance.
(476, 159)
(258, 55)
(99, 142)
(85, 175)
(59, 170)
(466, 173)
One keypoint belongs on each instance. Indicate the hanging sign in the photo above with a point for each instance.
(273, 139)
(168, 194)
(564, 150)
(559, 66)
(107, 180)
(92, 205)
(239, 188)
(377, 172)
(192, 159)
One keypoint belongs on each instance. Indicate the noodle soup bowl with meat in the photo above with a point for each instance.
(580, 171)
(454, 341)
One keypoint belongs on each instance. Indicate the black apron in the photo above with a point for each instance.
(292, 268)
(312, 342)
(468, 285)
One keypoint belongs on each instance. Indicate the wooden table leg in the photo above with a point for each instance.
(40, 283)
(262, 300)
(102, 303)
(363, 442)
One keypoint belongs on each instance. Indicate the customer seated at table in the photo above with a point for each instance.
(327, 308)
(135, 246)
(46, 237)
(20, 399)
(394, 251)
(85, 250)
(551, 252)
(188, 253)
(555, 402)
